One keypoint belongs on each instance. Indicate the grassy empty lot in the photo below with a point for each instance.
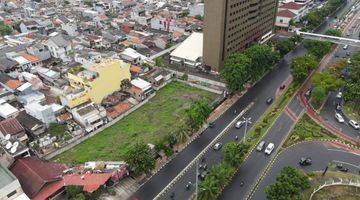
(152, 121)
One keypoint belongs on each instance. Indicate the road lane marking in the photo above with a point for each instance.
(344, 151)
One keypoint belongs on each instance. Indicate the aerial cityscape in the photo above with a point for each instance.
(179, 99)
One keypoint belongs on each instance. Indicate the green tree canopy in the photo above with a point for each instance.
(326, 80)
(352, 84)
(333, 32)
(284, 46)
(301, 67)
(236, 72)
(198, 112)
(209, 189)
(317, 48)
(5, 29)
(140, 159)
(288, 185)
(234, 153)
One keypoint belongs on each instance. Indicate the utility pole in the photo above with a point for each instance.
(197, 180)
(247, 121)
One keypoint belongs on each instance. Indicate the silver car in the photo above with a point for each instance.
(260, 146)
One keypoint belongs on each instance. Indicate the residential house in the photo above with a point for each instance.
(58, 46)
(39, 50)
(87, 58)
(298, 9)
(132, 56)
(161, 42)
(25, 61)
(7, 65)
(89, 116)
(33, 127)
(140, 89)
(49, 75)
(27, 26)
(283, 18)
(9, 83)
(44, 113)
(10, 188)
(97, 81)
(12, 127)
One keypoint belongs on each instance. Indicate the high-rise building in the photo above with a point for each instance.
(232, 25)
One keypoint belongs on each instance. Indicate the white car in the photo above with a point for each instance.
(345, 47)
(339, 95)
(269, 148)
(354, 124)
(217, 146)
(339, 118)
(239, 124)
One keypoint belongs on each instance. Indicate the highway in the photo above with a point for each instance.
(321, 153)
(258, 94)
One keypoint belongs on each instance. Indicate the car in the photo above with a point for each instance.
(282, 87)
(339, 95)
(345, 47)
(308, 92)
(269, 100)
(203, 167)
(339, 118)
(217, 146)
(239, 124)
(349, 61)
(269, 148)
(212, 124)
(354, 124)
(188, 186)
(344, 169)
(260, 146)
(305, 161)
(338, 106)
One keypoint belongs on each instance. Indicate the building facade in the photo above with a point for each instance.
(233, 25)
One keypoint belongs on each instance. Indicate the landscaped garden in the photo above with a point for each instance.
(153, 121)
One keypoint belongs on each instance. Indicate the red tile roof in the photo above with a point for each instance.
(285, 13)
(34, 174)
(13, 84)
(11, 126)
(292, 6)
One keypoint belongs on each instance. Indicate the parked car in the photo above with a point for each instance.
(239, 124)
(212, 124)
(260, 146)
(202, 175)
(339, 118)
(217, 146)
(305, 161)
(269, 100)
(354, 124)
(339, 95)
(340, 167)
(203, 167)
(338, 106)
(269, 148)
(345, 47)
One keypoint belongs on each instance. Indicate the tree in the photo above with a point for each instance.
(197, 113)
(262, 60)
(234, 153)
(235, 71)
(352, 83)
(140, 159)
(222, 173)
(158, 62)
(333, 32)
(209, 189)
(5, 29)
(326, 80)
(317, 48)
(74, 192)
(199, 17)
(288, 185)
(301, 67)
(318, 95)
(284, 46)
(88, 3)
(56, 129)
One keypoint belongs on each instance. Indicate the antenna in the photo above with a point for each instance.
(7, 137)
(13, 150)
(8, 145)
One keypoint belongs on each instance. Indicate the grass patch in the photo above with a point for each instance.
(265, 121)
(331, 192)
(153, 121)
(349, 110)
(305, 130)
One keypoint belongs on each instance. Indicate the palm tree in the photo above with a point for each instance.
(209, 189)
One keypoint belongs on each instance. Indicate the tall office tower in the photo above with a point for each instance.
(232, 25)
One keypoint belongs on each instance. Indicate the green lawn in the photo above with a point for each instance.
(152, 121)
(307, 129)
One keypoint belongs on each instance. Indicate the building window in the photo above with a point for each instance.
(11, 194)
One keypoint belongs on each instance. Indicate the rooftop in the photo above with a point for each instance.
(6, 176)
(191, 49)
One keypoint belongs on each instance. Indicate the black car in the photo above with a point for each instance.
(188, 186)
(269, 100)
(305, 161)
(212, 124)
(341, 168)
(282, 87)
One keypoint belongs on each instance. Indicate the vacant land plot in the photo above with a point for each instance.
(152, 121)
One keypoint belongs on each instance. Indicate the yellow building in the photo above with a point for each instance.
(97, 81)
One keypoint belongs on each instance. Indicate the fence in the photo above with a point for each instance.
(342, 182)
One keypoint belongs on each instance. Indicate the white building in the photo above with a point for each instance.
(131, 55)
(283, 18)
(190, 51)
(58, 46)
(43, 113)
(298, 9)
(7, 110)
(89, 116)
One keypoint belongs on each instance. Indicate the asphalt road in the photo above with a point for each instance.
(321, 153)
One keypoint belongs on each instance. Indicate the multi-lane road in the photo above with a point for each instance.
(321, 153)
(256, 96)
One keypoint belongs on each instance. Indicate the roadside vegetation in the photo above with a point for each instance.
(306, 130)
(289, 185)
(332, 192)
(352, 86)
(221, 174)
(162, 121)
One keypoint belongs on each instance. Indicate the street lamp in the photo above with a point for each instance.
(247, 121)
